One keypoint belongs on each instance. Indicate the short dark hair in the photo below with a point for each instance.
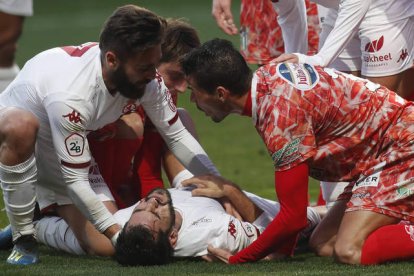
(131, 29)
(218, 63)
(180, 38)
(137, 246)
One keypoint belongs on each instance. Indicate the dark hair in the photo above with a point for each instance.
(137, 246)
(218, 63)
(180, 38)
(131, 29)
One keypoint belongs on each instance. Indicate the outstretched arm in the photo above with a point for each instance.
(219, 187)
(280, 236)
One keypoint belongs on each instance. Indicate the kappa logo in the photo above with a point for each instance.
(169, 100)
(232, 229)
(301, 76)
(75, 144)
(403, 55)
(73, 117)
(375, 45)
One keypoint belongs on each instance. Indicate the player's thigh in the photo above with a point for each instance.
(355, 227)
(324, 236)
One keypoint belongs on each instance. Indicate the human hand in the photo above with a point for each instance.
(209, 258)
(291, 58)
(221, 254)
(221, 11)
(230, 209)
(206, 185)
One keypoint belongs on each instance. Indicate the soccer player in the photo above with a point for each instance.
(144, 145)
(12, 15)
(325, 124)
(62, 94)
(183, 226)
(374, 39)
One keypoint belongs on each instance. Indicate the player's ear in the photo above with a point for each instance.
(111, 60)
(173, 237)
(222, 93)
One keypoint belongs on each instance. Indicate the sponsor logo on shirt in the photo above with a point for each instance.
(73, 117)
(287, 154)
(201, 220)
(75, 144)
(95, 176)
(368, 181)
(301, 76)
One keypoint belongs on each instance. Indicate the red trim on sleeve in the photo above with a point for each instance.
(281, 234)
(173, 120)
(247, 110)
(75, 166)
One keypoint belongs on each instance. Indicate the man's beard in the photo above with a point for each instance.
(125, 87)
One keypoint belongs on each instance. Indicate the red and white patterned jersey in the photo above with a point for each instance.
(340, 125)
(261, 40)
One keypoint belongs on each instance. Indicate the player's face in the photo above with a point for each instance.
(155, 212)
(173, 76)
(132, 76)
(210, 104)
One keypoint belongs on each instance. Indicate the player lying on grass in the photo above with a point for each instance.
(198, 220)
(322, 123)
(174, 223)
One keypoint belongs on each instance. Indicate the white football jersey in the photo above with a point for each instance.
(64, 88)
(205, 222)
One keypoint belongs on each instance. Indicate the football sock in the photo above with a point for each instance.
(388, 243)
(18, 184)
(56, 233)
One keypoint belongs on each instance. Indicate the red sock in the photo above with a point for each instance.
(389, 243)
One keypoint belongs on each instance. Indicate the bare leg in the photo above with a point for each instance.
(323, 237)
(355, 227)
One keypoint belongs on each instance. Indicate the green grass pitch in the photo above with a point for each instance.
(233, 145)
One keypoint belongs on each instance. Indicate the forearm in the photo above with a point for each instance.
(243, 205)
(291, 188)
(350, 15)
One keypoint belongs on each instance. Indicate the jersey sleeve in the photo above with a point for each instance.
(159, 107)
(68, 121)
(350, 15)
(292, 21)
(281, 234)
(283, 120)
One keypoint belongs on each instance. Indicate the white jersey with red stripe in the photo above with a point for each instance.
(205, 222)
(64, 88)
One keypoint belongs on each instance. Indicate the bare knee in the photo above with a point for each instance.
(321, 248)
(18, 130)
(347, 253)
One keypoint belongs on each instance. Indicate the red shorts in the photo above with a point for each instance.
(389, 191)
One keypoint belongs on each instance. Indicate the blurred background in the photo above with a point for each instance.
(233, 145)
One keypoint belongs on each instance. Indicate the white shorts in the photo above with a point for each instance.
(17, 7)
(47, 197)
(382, 47)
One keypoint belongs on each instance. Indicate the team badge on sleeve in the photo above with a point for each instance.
(301, 76)
(75, 144)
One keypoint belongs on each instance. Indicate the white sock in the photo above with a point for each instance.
(180, 177)
(18, 184)
(7, 75)
(56, 233)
